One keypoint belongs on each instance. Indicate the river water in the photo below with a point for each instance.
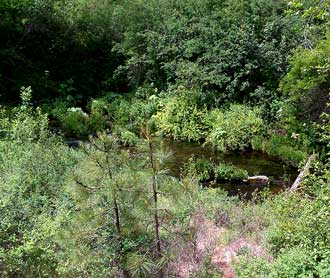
(255, 162)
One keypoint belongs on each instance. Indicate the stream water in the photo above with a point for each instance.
(256, 163)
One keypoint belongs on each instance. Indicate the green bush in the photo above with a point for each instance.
(182, 117)
(297, 233)
(230, 48)
(56, 109)
(300, 228)
(295, 262)
(125, 137)
(229, 172)
(31, 198)
(132, 113)
(234, 128)
(79, 124)
(35, 164)
(74, 122)
(206, 170)
(202, 169)
(100, 106)
(247, 267)
(290, 150)
(292, 263)
(307, 83)
(323, 132)
(24, 123)
(96, 122)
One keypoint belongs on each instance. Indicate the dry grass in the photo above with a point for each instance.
(234, 232)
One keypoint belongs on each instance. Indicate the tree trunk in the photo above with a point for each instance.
(117, 221)
(302, 174)
(119, 239)
(155, 196)
(160, 272)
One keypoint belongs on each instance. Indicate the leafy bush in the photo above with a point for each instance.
(295, 262)
(299, 229)
(206, 170)
(35, 164)
(202, 169)
(57, 108)
(291, 150)
(229, 172)
(234, 128)
(132, 113)
(181, 117)
(310, 229)
(79, 124)
(307, 83)
(100, 106)
(74, 122)
(247, 267)
(323, 132)
(298, 232)
(230, 48)
(292, 263)
(125, 137)
(96, 122)
(24, 124)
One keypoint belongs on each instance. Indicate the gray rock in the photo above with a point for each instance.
(73, 143)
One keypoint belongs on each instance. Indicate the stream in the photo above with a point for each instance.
(281, 175)
(255, 162)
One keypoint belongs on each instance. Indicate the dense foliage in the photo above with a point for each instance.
(34, 166)
(238, 50)
(206, 171)
(108, 77)
(234, 129)
(298, 235)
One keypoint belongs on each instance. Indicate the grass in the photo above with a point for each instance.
(290, 152)
(206, 170)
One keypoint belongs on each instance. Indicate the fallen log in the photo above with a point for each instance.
(258, 180)
(302, 174)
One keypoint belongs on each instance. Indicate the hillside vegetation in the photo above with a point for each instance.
(110, 76)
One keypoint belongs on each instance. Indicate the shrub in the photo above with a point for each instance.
(295, 262)
(298, 232)
(132, 113)
(56, 108)
(307, 82)
(300, 225)
(247, 267)
(96, 122)
(323, 132)
(230, 172)
(75, 122)
(235, 128)
(202, 169)
(291, 263)
(35, 164)
(126, 137)
(205, 170)
(283, 147)
(24, 123)
(181, 117)
(100, 106)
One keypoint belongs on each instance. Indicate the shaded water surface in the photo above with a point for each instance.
(255, 162)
